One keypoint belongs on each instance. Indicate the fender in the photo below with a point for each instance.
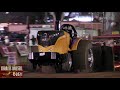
(75, 44)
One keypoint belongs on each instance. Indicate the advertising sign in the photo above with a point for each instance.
(12, 58)
(115, 32)
(22, 49)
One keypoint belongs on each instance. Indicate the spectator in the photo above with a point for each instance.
(96, 19)
(33, 40)
(6, 40)
(2, 39)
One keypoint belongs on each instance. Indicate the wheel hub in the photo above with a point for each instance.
(90, 57)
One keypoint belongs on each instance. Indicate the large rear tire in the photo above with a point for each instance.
(107, 58)
(82, 58)
(97, 54)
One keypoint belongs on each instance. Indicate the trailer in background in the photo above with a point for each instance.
(113, 41)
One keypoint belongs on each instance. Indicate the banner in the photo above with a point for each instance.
(11, 71)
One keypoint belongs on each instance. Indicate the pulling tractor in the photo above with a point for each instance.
(61, 46)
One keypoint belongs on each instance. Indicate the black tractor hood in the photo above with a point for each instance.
(47, 38)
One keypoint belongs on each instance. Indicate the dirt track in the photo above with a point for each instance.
(72, 75)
